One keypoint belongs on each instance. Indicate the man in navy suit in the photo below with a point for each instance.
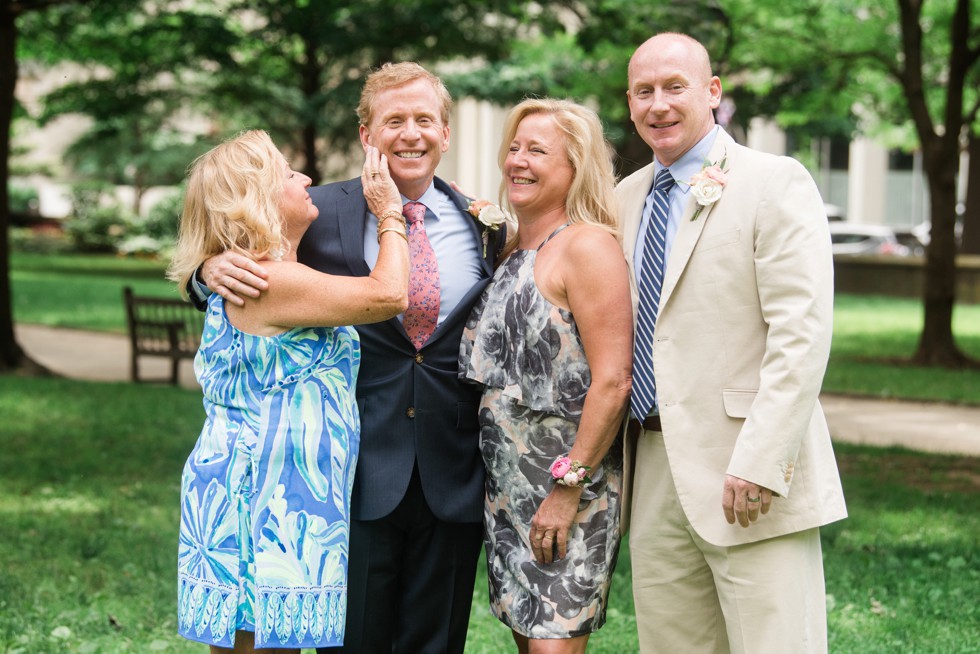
(417, 507)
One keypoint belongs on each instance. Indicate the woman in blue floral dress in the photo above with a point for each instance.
(551, 342)
(265, 494)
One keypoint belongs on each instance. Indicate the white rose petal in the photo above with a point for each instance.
(706, 192)
(491, 215)
(571, 479)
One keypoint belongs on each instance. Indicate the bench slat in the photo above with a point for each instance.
(163, 327)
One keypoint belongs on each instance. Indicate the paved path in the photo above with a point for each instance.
(915, 425)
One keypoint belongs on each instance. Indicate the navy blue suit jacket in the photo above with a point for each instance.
(412, 404)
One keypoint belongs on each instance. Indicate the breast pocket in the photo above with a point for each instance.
(714, 241)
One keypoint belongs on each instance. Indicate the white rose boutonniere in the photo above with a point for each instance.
(708, 184)
(489, 215)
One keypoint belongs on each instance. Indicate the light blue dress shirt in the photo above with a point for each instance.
(458, 252)
(682, 170)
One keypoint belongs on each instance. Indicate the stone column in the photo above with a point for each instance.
(866, 182)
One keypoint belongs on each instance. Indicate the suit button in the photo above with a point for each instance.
(410, 412)
(419, 358)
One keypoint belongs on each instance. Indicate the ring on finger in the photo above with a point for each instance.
(753, 499)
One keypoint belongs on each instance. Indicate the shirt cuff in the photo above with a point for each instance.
(198, 288)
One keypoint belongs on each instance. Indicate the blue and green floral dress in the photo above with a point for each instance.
(529, 357)
(265, 494)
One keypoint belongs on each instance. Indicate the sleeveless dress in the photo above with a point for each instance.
(528, 355)
(265, 493)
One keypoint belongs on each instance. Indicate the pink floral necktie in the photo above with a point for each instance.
(423, 282)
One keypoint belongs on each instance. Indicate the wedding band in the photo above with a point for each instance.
(374, 174)
(753, 499)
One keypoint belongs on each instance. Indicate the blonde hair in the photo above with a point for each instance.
(391, 75)
(232, 202)
(591, 199)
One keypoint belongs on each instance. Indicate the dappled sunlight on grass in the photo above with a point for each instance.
(903, 568)
(47, 504)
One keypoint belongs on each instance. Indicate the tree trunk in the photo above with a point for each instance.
(139, 190)
(10, 353)
(310, 72)
(936, 344)
(12, 357)
(971, 217)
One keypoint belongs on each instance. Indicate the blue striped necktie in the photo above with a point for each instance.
(657, 207)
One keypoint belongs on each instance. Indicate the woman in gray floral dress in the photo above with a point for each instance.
(551, 343)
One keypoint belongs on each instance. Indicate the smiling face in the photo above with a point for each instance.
(537, 170)
(406, 127)
(671, 95)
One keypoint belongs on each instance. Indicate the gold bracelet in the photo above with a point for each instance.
(382, 221)
(392, 214)
(400, 232)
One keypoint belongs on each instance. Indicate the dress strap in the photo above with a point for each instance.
(552, 235)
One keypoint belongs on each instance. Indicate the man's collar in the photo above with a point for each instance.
(432, 199)
(691, 162)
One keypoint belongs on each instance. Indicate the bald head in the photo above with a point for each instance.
(676, 46)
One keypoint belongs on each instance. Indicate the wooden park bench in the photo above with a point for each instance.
(161, 327)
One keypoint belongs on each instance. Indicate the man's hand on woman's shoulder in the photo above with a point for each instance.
(234, 276)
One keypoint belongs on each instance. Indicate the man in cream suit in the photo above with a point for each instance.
(733, 467)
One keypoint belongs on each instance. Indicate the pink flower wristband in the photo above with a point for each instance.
(569, 473)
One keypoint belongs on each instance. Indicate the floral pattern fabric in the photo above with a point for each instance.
(529, 356)
(265, 493)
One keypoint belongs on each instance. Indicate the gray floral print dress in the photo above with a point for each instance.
(528, 355)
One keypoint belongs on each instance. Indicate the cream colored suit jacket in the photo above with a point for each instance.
(741, 344)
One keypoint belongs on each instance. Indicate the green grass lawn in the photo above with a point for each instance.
(84, 292)
(871, 333)
(89, 487)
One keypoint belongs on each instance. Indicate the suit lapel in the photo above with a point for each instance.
(352, 215)
(689, 230)
(486, 262)
(632, 209)
(462, 203)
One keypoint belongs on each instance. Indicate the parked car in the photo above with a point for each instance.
(922, 231)
(911, 240)
(855, 238)
(834, 212)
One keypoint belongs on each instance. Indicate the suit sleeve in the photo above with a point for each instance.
(794, 278)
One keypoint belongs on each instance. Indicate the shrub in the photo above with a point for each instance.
(38, 240)
(162, 219)
(141, 245)
(156, 234)
(23, 199)
(98, 222)
(99, 230)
